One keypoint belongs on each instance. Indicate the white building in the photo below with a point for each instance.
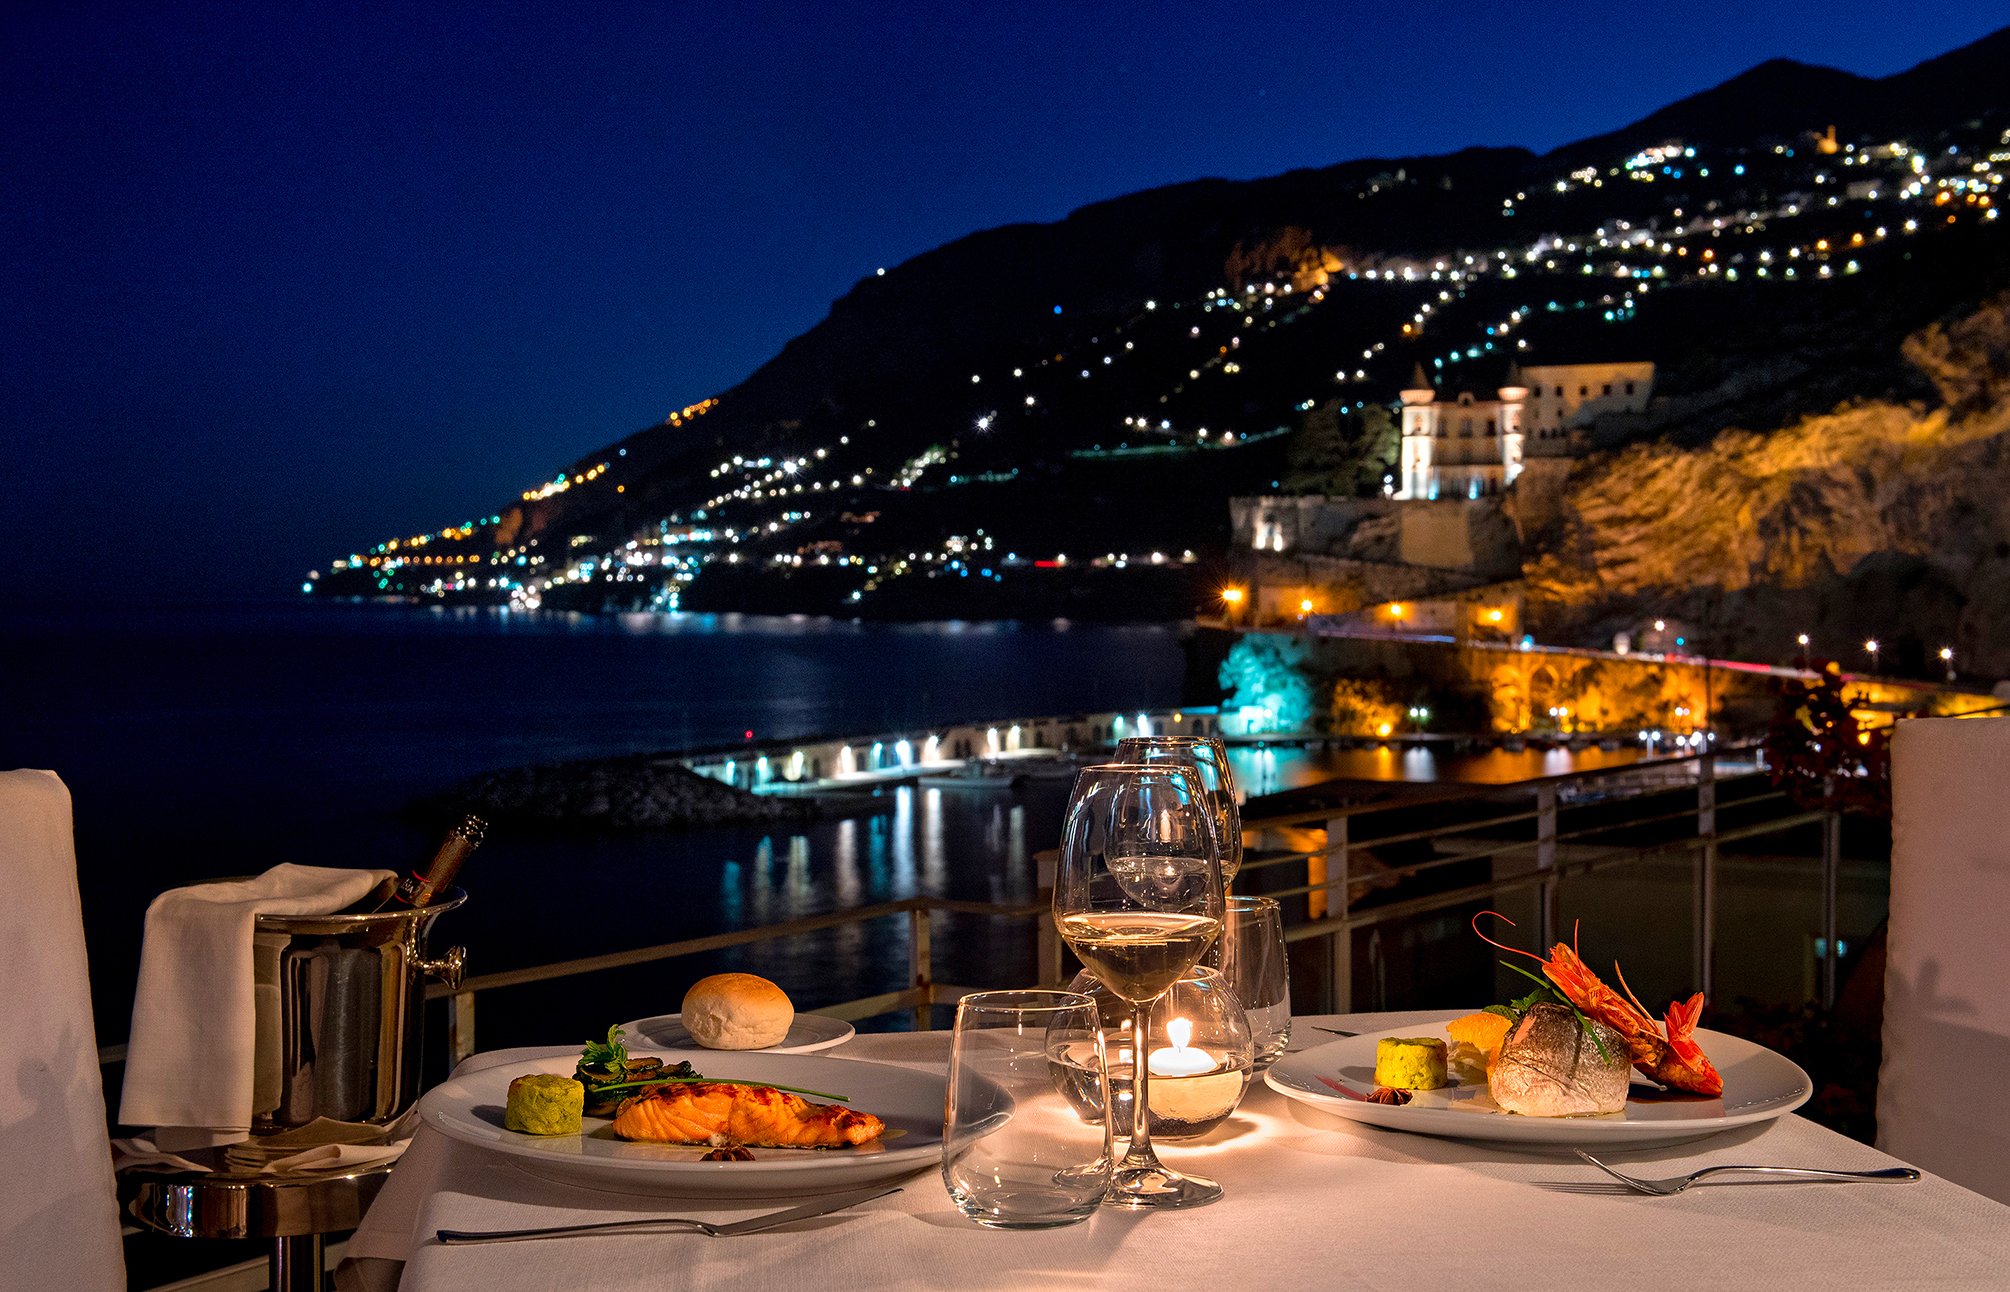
(1468, 447)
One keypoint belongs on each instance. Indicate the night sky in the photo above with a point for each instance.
(285, 279)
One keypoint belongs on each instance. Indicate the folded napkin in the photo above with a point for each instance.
(323, 1144)
(190, 1059)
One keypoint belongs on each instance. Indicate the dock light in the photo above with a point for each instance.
(1384, 729)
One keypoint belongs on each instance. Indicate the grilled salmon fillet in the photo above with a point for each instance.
(706, 1112)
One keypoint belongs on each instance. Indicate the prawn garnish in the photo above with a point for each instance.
(1672, 1058)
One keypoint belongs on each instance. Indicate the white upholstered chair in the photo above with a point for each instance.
(59, 1219)
(1947, 979)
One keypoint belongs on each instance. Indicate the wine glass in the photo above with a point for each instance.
(1209, 759)
(1137, 895)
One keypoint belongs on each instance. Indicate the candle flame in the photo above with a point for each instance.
(1179, 1032)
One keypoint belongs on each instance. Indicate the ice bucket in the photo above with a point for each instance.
(341, 1012)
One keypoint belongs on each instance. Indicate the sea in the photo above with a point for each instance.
(215, 741)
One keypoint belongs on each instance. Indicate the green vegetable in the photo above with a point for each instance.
(1508, 1012)
(611, 1057)
(1549, 992)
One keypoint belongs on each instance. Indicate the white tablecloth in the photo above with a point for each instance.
(1313, 1201)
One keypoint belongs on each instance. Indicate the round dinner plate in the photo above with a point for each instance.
(469, 1108)
(809, 1033)
(1759, 1085)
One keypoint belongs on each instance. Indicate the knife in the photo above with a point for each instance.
(753, 1225)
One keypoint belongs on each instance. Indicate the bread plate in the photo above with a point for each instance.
(807, 1034)
(1759, 1085)
(469, 1107)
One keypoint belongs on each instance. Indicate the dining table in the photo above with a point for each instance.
(1311, 1200)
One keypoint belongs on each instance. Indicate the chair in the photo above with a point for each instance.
(59, 1218)
(1947, 979)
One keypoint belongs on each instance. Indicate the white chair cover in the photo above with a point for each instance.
(1947, 980)
(59, 1219)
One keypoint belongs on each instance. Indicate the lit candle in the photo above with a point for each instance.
(1177, 1060)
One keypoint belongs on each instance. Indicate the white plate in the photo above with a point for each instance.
(810, 1032)
(1759, 1085)
(469, 1108)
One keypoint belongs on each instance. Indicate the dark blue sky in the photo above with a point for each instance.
(283, 279)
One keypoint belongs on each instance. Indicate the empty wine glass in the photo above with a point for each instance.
(1209, 759)
(1137, 895)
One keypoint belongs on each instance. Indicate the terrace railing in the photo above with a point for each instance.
(1569, 820)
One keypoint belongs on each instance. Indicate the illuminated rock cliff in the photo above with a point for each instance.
(1877, 520)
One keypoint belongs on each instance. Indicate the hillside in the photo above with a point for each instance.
(1876, 520)
(1049, 418)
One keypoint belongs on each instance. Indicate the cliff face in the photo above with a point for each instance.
(1877, 519)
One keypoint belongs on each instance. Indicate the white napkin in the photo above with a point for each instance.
(323, 1144)
(190, 1059)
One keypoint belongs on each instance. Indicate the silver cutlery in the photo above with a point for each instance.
(753, 1225)
(1336, 1031)
(1675, 1184)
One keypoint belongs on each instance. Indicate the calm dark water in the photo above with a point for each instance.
(217, 742)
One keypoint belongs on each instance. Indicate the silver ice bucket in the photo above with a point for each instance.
(341, 1013)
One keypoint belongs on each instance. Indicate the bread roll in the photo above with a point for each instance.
(737, 1011)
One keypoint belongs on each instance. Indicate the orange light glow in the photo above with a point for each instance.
(1232, 596)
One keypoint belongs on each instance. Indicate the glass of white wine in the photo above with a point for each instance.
(1137, 895)
(1209, 759)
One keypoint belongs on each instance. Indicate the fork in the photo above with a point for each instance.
(1675, 1184)
(821, 1207)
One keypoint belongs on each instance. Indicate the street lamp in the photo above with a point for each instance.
(1803, 640)
(1947, 658)
(1232, 598)
(1871, 647)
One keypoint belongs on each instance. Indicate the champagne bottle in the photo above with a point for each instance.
(421, 886)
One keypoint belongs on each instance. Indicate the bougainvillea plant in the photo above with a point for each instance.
(1815, 742)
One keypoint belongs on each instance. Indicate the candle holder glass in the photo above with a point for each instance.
(1203, 1057)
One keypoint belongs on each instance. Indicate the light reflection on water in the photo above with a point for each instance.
(1271, 769)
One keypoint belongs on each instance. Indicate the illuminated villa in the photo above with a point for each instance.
(1468, 448)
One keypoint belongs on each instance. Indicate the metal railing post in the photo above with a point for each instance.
(461, 1025)
(1831, 882)
(920, 971)
(1547, 918)
(1341, 902)
(1705, 915)
(1047, 964)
